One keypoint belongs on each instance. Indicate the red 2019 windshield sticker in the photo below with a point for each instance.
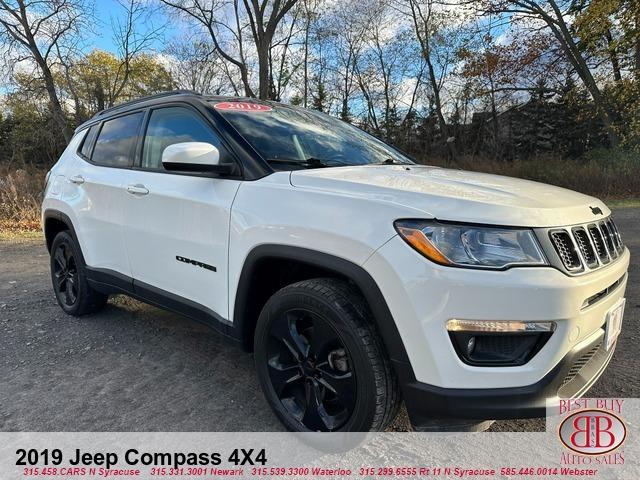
(243, 107)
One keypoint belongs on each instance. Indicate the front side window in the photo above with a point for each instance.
(289, 137)
(117, 140)
(171, 125)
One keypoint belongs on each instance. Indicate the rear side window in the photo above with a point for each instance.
(117, 140)
(87, 143)
(175, 125)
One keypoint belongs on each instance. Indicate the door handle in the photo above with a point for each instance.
(77, 179)
(137, 189)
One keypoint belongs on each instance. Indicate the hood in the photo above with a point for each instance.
(457, 195)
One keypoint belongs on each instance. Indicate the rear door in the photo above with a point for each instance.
(177, 225)
(98, 199)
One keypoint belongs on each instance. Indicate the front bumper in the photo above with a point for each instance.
(570, 378)
(422, 296)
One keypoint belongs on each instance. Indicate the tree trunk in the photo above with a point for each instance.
(563, 35)
(57, 111)
(637, 45)
(444, 128)
(263, 70)
(613, 57)
(305, 94)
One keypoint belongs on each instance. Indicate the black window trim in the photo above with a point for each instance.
(250, 166)
(137, 163)
(100, 125)
(93, 142)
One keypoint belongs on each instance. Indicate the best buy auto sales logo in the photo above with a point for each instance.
(594, 434)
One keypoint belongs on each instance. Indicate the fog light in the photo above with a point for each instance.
(470, 344)
(498, 342)
(499, 326)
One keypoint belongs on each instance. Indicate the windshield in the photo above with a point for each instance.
(290, 138)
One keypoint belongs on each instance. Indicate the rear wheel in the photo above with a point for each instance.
(68, 275)
(320, 362)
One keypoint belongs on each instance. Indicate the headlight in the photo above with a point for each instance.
(470, 245)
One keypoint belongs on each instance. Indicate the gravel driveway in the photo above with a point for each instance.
(133, 367)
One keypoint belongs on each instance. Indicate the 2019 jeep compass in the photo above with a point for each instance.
(357, 277)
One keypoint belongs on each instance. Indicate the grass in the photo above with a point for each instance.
(600, 173)
(12, 235)
(622, 202)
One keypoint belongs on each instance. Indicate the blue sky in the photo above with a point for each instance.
(106, 10)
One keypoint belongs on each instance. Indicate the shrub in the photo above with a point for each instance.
(20, 196)
(602, 173)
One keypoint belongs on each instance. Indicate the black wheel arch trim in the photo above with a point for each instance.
(64, 218)
(358, 275)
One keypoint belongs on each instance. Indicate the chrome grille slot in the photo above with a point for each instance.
(598, 242)
(566, 249)
(585, 247)
(582, 248)
(617, 240)
(608, 239)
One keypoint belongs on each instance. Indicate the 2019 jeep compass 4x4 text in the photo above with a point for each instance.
(358, 278)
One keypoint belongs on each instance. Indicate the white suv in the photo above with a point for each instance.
(358, 278)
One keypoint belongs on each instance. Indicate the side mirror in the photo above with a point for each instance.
(194, 157)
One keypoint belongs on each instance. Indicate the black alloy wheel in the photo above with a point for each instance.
(310, 370)
(69, 277)
(65, 274)
(321, 363)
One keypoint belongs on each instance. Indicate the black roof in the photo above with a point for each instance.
(160, 97)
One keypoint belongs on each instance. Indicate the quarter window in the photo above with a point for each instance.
(87, 143)
(117, 140)
(174, 125)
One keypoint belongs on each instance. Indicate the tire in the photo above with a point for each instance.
(69, 279)
(320, 361)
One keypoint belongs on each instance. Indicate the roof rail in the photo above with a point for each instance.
(144, 99)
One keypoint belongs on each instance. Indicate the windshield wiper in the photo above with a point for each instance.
(310, 162)
(391, 161)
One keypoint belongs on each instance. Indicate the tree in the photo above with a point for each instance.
(35, 32)
(508, 72)
(226, 35)
(97, 79)
(195, 65)
(226, 23)
(555, 15)
(132, 41)
(264, 22)
(344, 31)
(437, 31)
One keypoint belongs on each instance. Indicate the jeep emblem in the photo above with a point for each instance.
(596, 211)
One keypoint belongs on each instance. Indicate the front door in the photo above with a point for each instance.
(177, 225)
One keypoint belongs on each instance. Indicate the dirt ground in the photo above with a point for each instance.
(133, 367)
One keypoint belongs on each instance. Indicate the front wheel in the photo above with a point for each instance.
(320, 361)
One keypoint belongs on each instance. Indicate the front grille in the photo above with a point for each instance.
(566, 250)
(587, 247)
(598, 242)
(608, 239)
(615, 236)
